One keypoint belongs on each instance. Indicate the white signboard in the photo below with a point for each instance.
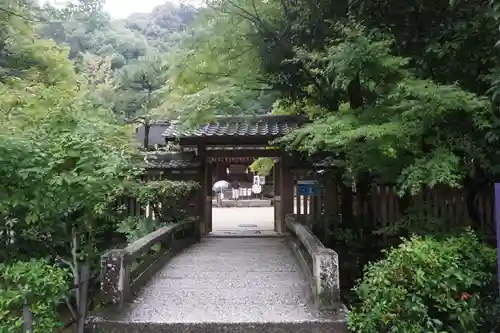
(256, 189)
(259, 180)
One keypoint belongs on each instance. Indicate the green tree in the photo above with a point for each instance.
(140, 85)
(69, 153)
(317, 62)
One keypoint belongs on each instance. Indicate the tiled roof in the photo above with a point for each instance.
(260, 126)
(170, 160)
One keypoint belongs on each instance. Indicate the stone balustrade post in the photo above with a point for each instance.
(115, 276)
(326, 275)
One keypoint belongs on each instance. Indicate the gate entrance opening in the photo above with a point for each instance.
(223, 144)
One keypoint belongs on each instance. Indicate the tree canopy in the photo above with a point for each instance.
(400, 92)
(133, 49)
(396, 89)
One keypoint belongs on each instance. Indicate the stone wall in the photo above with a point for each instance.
(320, 264)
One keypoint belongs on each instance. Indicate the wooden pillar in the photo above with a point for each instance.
(277, 195)
(330, 204)
(207, 226)
(286, 191)
(313, 209)
(202, 193)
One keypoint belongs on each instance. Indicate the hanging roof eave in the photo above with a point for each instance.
(235, 130)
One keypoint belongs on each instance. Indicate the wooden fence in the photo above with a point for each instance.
(382, 204)
(442, 202)
(384, 208)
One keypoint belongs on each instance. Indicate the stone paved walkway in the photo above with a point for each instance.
(258, 221)
(225, 280)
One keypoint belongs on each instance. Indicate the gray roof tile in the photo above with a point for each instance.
(267, 126)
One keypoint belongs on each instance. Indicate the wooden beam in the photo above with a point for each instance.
(226, 140)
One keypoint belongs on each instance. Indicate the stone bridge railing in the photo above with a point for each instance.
(123, 271)
(319, 264)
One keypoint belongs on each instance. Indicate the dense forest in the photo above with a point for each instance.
(398, 92)
(129, 52)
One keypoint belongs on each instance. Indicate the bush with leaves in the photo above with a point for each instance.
(429, 285)
(420, 219)
(72, 163)
(394, 125)
(38, 283)
(64, 159)
(135, 227)
(262, 166)
(168, 199)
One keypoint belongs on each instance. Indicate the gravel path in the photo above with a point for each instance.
(244, 220)
(225, 280)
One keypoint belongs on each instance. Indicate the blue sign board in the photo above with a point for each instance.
(308, 188)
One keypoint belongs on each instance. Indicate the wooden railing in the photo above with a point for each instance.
(319, 264)
(123, 271)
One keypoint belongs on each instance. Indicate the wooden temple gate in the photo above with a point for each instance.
(239, 137)
(198, 151)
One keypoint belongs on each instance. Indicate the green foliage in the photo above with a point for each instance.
(87, 28)
(167, 199)
(447, 44)
(429, 285)
(37, 282)
(64, 146)
(420, 220)
(201, 85)
(262, 166)
(399, 98)
(405, 129)
(135, 227)
(164, 26)
(495, 78)
(131, 49)
(140, 85)
(413, 118)
(59, 136)
(72, 160)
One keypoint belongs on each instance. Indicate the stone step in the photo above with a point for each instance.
(328, 326)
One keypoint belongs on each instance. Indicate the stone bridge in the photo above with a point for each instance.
(170, 282)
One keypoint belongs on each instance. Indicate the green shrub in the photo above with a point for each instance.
(168, 199)
(41, 284)
(135, 227)
(429, 285)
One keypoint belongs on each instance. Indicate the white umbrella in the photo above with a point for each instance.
(220, 185)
